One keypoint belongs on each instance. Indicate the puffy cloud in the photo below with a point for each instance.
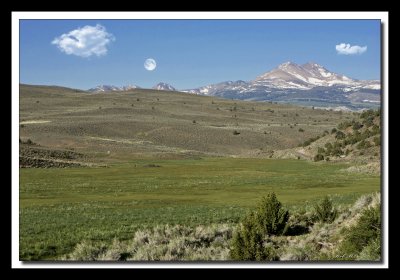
(347, 49)
(85, 41)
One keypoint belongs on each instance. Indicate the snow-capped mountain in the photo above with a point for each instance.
(293, 83)
(211, 89)
(308, 84)
(164, 86)
(104, 88)
(308, 76)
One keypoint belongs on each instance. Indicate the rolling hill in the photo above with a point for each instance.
(152, 123)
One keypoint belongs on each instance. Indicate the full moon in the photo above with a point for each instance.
(150, 64)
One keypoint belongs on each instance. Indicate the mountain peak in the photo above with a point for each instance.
(287, 64)
(105, 88)
(312, 64)
(164, 86)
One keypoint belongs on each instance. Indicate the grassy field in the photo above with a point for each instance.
(61, 207)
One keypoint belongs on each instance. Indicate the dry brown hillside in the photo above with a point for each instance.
(151, 123)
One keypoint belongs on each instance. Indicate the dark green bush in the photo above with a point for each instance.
(345, 124)
(236, 132)
(363, 145)
(375, 129)
(364, 237)
(328, 146)
(269, 218)
(377, 141)
(247, 244)
(271, 215)
(318, 157)
(340, 135)
(357, 126)
(325, 212)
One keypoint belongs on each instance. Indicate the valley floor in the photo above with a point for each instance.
(60, 208)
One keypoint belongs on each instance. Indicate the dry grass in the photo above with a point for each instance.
(97, 123)
(162, 243)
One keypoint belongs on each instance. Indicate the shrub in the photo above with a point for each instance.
(357, 126)
(309, 141)
(363, 239)
(328, 146)
(301, 130)
(363, 145)
(334, 130)
(345, 124)
(340, 135)
(375, 129)
(272, 216)
(325, 212)
(377, 141)
(269, 218)
(369, 121)
(318, 157)
(151, 165)
(247, 244)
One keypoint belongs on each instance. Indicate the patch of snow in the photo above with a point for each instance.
(324, 73)
(372, 86)
(347, 89)
(371, 101)
(298, 76)
(315, 81)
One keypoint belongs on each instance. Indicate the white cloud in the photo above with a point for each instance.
(348, 49)
(85, 41)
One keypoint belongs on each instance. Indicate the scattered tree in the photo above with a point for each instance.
(340, 135)
(269, 218)
(325, 212)
(318, 157)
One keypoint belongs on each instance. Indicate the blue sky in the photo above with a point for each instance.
(190, 53)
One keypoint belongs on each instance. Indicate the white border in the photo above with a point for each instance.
(16, 16)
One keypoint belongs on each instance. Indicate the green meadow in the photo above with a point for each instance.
(60, 207)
